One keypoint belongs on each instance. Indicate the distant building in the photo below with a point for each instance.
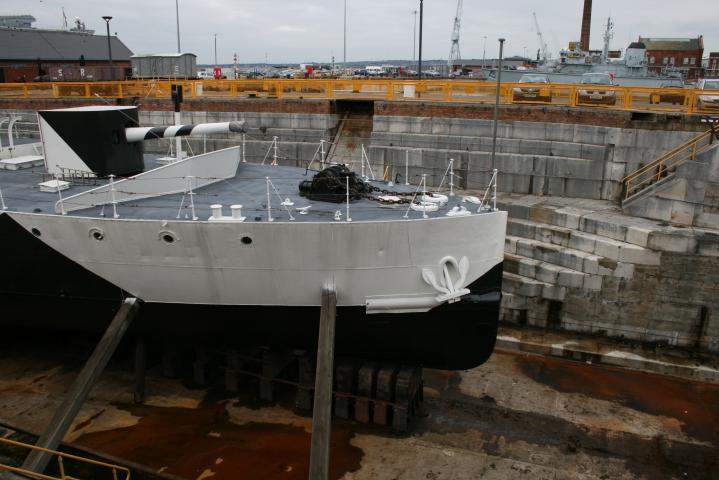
(164, 65)
(636, 56)
(713, 66)
(17, 21)
(60, 55)
(667, 55)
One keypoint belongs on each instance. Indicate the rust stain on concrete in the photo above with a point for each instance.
(189, 442)
(691, 403)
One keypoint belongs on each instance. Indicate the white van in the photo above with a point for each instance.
(374, 71)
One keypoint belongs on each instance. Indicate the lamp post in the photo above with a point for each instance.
(414, 37)
(421, 21)
(215, 50)
(107, 19)
(496, 104)
(177, 16)
(344, 57)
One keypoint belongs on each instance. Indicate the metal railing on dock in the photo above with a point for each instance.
(667, 100)
(117, 472)
(667, 164)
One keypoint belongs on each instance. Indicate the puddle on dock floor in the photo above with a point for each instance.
(204, 443)
(694, 404)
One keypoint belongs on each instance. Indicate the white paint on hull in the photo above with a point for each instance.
(286, 263)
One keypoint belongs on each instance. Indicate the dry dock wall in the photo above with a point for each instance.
(555, 159)
(585, 266)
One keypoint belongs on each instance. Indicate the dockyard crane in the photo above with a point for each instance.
(542, 43)
(454, 54)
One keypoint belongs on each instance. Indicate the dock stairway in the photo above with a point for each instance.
(354, 131)
(660, 171)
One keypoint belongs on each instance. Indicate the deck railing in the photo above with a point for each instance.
(675, 100)
(667, 164)
(117, 472)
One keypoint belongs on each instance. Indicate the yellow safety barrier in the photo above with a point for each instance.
(118, 472)
(458, 91)
(667, 164)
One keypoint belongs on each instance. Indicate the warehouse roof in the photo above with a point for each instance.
(161, 55)
(677, 44)
(33, 44)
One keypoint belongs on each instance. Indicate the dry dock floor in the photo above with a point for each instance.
(520, 416)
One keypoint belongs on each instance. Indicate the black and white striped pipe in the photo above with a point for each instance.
(138, 134)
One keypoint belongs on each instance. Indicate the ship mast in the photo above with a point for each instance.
(608, 35)
(542, 43)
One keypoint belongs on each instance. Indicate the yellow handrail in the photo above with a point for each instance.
(61, 457)
(662, 166)
(652, 99)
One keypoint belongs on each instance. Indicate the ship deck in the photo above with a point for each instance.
(247, 188)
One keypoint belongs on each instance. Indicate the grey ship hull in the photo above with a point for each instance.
(41, 289)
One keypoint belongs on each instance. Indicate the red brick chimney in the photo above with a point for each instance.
(586, 25)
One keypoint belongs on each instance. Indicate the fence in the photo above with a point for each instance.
(683, 101)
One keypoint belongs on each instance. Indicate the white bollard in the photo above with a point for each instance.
(236, 212)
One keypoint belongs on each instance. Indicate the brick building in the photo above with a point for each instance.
(60, 55)
(712, 69)
(667, 55)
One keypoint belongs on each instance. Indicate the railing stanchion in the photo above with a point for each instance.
(347, 183)
(244, 158)
(406, 168)
(2, 201)
(494, 194)
(269, 202)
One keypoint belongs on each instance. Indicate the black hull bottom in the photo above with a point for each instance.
(41, 289)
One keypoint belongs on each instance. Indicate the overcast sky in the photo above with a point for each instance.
(311, 30)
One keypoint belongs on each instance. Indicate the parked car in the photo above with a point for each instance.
(675, 98)
(532, 94)
(708, 102)
(592, 91)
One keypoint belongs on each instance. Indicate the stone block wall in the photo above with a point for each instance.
(559, 159)
(587, 267)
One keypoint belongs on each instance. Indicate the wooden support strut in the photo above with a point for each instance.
(140, 370)
(322, 415)
(37, 461)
